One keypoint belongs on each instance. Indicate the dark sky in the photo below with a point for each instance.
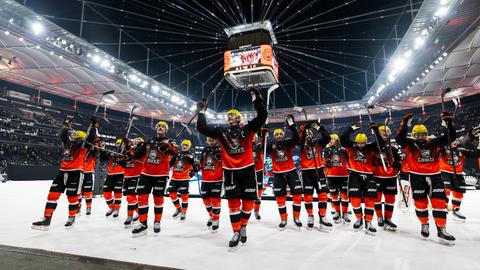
(190, 38)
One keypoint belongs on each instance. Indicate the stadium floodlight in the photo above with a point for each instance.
(445, 54)
(105, 63)
(7, 33)
(37, 28)
(96, 59)
(419, 42)
(155, 88)
(442, 11)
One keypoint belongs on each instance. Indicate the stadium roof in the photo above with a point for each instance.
(330, 54)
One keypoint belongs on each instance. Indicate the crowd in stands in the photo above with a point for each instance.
(29, 131)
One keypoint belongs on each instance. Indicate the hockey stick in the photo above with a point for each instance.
(269, 91)
(376, 138)
(452, 156)
(198, 111)
(300, 110)
(98, 106)
(130, 123)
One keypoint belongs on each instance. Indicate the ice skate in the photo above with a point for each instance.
(140, 230)
(70, 222)
(283, 225)
(325, 225)
(43, 224)
(389, 225)
(369, 229)
(444, 237)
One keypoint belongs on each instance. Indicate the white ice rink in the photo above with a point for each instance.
(190, 245)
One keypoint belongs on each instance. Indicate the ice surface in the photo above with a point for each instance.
(190, 245)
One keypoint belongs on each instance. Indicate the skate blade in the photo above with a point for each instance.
(298, 228)
(127, 226)
(446, 242)
(358, 230)
(282, 229)
(367, 232)
(140, 234)
(309, 228)
(68, 228)
(389, 229)
(40, 228)
(214, 231)
(337, 221)
(346, 222)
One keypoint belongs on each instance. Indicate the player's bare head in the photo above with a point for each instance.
(161, 129)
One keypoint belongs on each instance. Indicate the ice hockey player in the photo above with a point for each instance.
(335, 157)
(114, 180)
(360, 182)
(313, 139)
(386, 180)
(184, 168)
(133, 169)
(259, 166)
(453, 175)
(212, 178)
(237, 161)
(68, 179)
(285, 173)
(90, 160)
(156, 154)
(425, 178)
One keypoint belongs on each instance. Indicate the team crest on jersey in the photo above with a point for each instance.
(336, 161)
(153, 157)
(209, 164)
(309, 152)
(360, 157)
(67, 155)
(425, 156)
(280, 156)
(179, 166)
(235, 147)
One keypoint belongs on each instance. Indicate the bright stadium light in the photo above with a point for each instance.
(441, 12)
(96, 59)
(37, 28)
(7, 33)
(419, 42)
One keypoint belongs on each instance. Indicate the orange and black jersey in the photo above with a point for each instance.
(156, 154)
(211, 164)
(235, 141)
(281, 152)
(114, 163)
(390, 157)
(312, 146)
(459, 155)
(73, 151)
(359, 160)
(335, 158)
(258, 156)
(183, 165)
(89, 161)
(423, 157)
(133, 167)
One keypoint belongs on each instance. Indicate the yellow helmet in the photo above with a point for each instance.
(161, 123)
(119, 142)
(277, 131)
(334, 136)
(236, 113)
(187, 142)
(361, 138)
(419, 129)
(384, 129)
(139, 140)
(80, 135)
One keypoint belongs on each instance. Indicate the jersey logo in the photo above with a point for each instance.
(179, 166)
(153, 157)
(309, 152)
(235, 147)
(280, 156)
(336, 161)
(360, 157)
(425, 156)
(67, 155)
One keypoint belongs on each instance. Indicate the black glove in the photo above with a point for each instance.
(202, 106)
(255, 93)
(93, 120)
(315, 125)
(329, 163)
(407, 119)
(290, 120)
(355, 126)
(447, 117)
(373, 126)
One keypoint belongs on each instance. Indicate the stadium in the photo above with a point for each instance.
(238, 134)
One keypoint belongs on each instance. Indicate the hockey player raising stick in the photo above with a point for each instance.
(313, 175)
(133, 169)
(386, 180)
(360, 181)
(212, 177)
(337, 177)
(285, 173)
(453, 177)
(425, 179)
(69, 178)
(259, 166)
(156, 154)
(114, 181)
(183, 164)
(237, 161)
